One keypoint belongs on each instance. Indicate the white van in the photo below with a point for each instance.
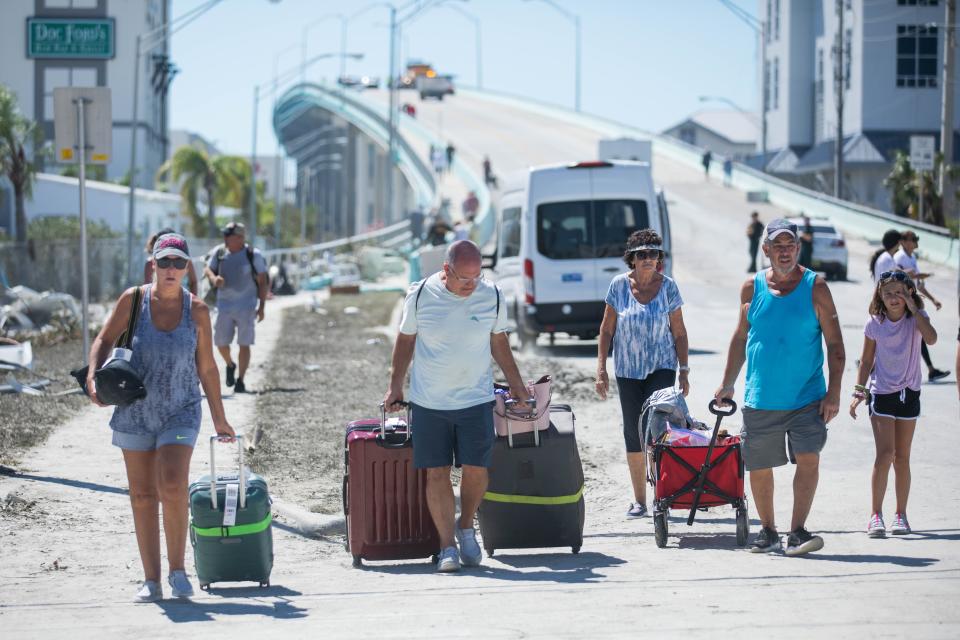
(561, 235)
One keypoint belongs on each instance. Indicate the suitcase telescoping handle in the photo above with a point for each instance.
(240, 474)
(508, 410)
(383, 422)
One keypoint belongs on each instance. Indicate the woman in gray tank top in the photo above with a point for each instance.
(173, 354)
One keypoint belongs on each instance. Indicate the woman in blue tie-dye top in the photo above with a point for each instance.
(644, 320)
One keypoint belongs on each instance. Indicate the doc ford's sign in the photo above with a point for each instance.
(70, 38)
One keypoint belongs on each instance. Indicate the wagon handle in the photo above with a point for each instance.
(721, 411)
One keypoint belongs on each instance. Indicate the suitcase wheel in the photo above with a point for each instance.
(265, 585)
(575, 549)
(357, 562)
(205, 586)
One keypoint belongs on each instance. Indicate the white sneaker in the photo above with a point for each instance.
(470, 553)
(150, 591)
(180, 585)
(900, 525)
(876, 528)
(449, 560)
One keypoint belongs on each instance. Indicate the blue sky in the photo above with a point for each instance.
(644, 62)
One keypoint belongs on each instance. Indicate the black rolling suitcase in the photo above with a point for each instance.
(535, 495)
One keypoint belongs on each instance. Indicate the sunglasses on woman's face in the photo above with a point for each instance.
(647, 254)
(899, 276)
(171, 263)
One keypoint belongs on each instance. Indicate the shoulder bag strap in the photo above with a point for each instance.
(126, 338)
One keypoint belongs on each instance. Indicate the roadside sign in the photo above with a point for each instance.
(98, 119)
(922, 150)
(71, 38)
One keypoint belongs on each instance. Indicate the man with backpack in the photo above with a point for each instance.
(239, 274)
(453, 322)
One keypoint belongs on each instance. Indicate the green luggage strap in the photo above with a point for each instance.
(552, 500)
(234, 531)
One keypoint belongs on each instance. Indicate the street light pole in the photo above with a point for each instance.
(391, 79)
(131, 196)
(252, 231)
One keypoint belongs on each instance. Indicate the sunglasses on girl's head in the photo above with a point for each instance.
(647, 254)
(899, 276)
(175, 263)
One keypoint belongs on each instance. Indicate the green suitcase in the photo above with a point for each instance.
(240, 552)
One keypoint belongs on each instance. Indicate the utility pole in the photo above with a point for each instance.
(946, 111)
(765, 90)
(839, 59)
(392, 116)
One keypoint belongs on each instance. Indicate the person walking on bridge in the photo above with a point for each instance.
(785, 313)
(453, 322)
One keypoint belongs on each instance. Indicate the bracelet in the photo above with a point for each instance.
(860, 387)
(683, 368)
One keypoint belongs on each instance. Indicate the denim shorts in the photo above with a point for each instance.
(765, 432)
(455, 436)
(185, 436)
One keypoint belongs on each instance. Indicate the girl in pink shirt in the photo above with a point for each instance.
(891, 361)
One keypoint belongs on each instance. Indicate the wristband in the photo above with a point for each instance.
(860, 387)
(683, 369)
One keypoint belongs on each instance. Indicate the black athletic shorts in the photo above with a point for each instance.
(903, 405)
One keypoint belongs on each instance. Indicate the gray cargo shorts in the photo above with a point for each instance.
(765, 431)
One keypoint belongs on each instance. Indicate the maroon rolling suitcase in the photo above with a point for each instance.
(384, 496)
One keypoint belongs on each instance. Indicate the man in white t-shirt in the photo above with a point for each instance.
(905, 261)
(453, 322)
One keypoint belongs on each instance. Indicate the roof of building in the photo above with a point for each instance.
(865, 148)
(738, 127)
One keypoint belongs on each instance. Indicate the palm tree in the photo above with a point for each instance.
(196, 171)
(16, 132)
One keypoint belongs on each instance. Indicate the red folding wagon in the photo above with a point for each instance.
(697, 477)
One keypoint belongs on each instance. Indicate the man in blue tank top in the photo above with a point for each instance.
(786, 314)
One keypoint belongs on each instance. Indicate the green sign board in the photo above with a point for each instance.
(70, 38)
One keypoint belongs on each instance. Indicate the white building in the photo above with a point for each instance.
(46, 44)
(892, 66)
(725, 132)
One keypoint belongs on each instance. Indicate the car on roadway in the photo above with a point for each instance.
(561, 235)
(370, 82)
(434, 86)
(830, 254)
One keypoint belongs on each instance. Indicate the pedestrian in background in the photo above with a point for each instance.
(148, 264)
(754, 234)
(727, 171)
(882, 260)
(906, 261)
(238, 272)
(644, 321)
(705, 160)
(450, 151)
(416, 225)
(896, 328)
(806, 243)
(453, 323)
(172, 353)
(785, 311)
